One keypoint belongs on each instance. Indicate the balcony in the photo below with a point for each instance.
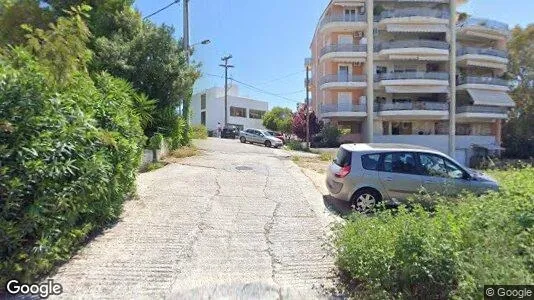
(414, 82)
(482, 57)
(416, 109)
(344, 53)
(482, 112)
(414, 20)
(343, 110)
(343, 23)
(428, 50)
(479, 82)
(483, 28)
(343, 81)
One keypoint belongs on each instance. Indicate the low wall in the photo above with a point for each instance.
(160, 153)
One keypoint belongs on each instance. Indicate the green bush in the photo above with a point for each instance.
(449, 252)
(296, 146)
(68, 157)
(199, 132)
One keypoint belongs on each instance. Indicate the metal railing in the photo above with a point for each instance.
(414, 12)
(329, 108)
(343, 48)
(481, 109)
(482, 51)
(414, 75)
(485, 23)
(343, 18)
(417, 105)
(412, 44)
(482, 80)
(342, 78)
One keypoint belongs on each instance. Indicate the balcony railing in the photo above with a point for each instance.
(482, 51)
(414, 12)
(414, 75)
(343, 48)
(343, 18)
(418, 105)
(342, 78)
(330, 108)
(412, 44)
(491, 24)
(481, 109)
(482, 80)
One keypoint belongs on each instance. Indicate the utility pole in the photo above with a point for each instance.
(226, 66)
(370, 95)
(452, 79)
(187, 98)
(307, 106)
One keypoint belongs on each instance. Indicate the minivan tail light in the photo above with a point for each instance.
(343, 172)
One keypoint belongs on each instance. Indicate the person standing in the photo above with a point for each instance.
(219, 130)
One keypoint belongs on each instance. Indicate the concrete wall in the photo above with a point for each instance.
(215, 108)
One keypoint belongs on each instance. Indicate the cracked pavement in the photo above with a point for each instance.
(237, 222)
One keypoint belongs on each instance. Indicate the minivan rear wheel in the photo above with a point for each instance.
(365, 200)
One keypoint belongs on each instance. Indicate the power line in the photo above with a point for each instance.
(283, 77)
(264, 91)
(162, 9)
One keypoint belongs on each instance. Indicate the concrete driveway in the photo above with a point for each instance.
(238, 221)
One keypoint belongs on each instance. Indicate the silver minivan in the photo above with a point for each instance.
(366, 174)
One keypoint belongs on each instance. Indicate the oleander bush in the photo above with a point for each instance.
(449, 252)
(69, 153)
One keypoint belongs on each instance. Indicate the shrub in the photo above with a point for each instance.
(199, 132)
(296, 146)
(330, 136)
(449, 252)
(68, 157)
(154, 166)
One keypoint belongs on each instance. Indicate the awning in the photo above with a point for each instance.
(490, 98)
(417, 90)
(416, 28)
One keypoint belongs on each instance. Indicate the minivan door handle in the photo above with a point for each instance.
(389, 179)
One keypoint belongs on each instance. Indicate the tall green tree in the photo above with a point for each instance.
(518, 137)
(278, 119)
(13, 14)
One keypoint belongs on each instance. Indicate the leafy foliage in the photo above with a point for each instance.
(328, 136)
(199, 132)
(518, 133)
(449, 252)
(279, 119)
(299, 123)
(13, 14)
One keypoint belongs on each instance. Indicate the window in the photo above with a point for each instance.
(203, 101)
(401, 128)
(370, 162)
(255, 114)
(350, 15)
(463, 129)
(400, 163)
(239, 112)
(437, 166)
(203, 118)
(343, 158)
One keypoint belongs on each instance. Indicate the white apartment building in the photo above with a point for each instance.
(381, 70)
(208, 109)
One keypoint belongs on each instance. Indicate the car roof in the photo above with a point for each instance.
(375, 147)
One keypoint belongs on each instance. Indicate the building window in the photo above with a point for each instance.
(203, 118)
(203, 101)
(256, 114)
(401, 128)
(239, 112)
(463, 129)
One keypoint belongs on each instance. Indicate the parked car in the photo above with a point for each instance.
(366, 174)
(259, 137)
(277, 135)
(229, 133)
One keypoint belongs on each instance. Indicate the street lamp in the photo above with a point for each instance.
(204, 42)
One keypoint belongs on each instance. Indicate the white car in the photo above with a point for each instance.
(260, 137)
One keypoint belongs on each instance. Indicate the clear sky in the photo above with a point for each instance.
(270, 39)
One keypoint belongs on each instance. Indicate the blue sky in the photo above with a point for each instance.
(270, 39)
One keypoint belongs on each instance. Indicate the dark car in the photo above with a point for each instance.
(229, 133)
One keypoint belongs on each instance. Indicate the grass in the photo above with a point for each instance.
(449, 252)
(326, 156)
(183, 152)
(154, 166)
(312, 163)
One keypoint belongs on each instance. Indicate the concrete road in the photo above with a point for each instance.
(237, 222)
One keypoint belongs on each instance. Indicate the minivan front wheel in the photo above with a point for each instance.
(365, 200)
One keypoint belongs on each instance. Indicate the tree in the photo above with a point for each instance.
(13, 14)
(518, 132)
(278, 119)
(299, 123)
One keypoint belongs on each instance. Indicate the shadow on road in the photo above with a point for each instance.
(338, 207)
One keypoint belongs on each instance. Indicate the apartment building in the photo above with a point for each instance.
(207, 109)
(382, 72)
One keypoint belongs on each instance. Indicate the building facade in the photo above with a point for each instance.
(208, 109)
(382, 72)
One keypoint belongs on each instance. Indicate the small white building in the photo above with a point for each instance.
(208, 109)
